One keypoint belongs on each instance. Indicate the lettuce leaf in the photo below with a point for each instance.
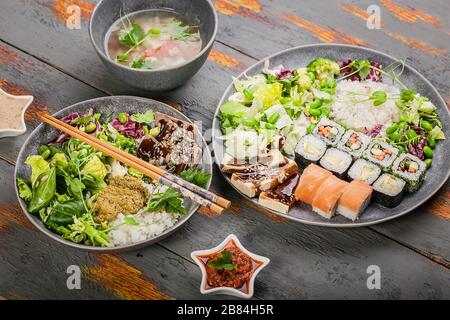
(95, 167)
(437, 133)
(38, 166)
(269, 94)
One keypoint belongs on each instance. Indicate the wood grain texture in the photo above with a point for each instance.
(307, 262)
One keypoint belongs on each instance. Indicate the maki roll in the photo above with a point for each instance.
(336, 161)
(326, 200)
(411, 169)
(389, 190)
(310, 181)
(354, 143)
(328, 131)
(354, 200)
(381, 153)
(309, 150)
(365, 171)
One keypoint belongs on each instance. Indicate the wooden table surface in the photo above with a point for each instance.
(40, 56)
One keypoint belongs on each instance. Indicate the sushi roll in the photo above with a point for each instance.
(365, 171)
(336, 161)
(389, 190)
(381, 153)
(354, 200)
(354, 143)
(411, 169)
(309, 150)
(327, 197)
(329, 131)
(310, 181)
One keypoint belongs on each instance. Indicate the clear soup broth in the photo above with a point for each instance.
(153, 39)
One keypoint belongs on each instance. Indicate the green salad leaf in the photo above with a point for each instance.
(196, 177)
(170, 201)
(147, 117)
(43, 191)
(437, 133)
(63, 213)
(224, 262)
(95, 167)
(24, 190)
(38, 166)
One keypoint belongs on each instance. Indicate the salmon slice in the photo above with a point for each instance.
(327, 197)
(310, 181)
(354, 200)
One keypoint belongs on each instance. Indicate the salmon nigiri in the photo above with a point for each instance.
(310, 181)
(354, 200)
(327, 197)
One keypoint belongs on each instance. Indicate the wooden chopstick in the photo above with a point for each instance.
(199, 195)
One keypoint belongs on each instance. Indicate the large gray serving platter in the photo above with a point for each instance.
(106, 105)
(435, 177)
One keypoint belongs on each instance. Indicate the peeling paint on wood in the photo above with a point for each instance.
(358, 12)
(418, 44)
(241, 8)
(252, 5)
(13, 213)
(125, 281)
(223, 59)
(410, 15)
(60, 9)
(440, 205)
(324, 34)
(8, 56)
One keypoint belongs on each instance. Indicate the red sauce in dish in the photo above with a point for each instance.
(237, 278)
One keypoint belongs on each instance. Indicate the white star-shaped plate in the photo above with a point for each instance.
(23, 103)
(248, 293)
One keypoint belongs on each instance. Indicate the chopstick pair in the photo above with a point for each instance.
(197, 194)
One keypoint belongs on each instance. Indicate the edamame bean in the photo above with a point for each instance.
(123, 118)
(396, 136)
(325, 111)
(316, 104)
(411, 134)
(426, 125)
(431, 142)
(393, 128)
(274, 117)
(249, 122)
(315, 112)
(428, 162)
(428, 152)
(90, 128)
(270, 126)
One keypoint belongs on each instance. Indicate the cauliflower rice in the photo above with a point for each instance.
(349, 109)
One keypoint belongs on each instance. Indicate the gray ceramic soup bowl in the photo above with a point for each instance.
(196, 12)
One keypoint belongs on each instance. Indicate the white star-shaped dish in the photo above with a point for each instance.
(18, 108)
(259, 262)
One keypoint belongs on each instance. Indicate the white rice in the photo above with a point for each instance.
(348, 109)
(150, 224)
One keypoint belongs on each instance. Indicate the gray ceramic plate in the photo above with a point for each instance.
(436, 176)
(44, 133)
